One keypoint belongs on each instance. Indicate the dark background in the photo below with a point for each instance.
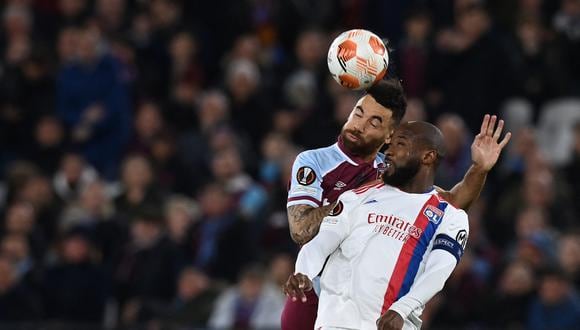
(145, 148)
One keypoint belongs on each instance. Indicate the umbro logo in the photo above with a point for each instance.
(371, 201)
(339, 185)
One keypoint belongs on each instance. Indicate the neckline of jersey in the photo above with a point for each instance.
(353, 159)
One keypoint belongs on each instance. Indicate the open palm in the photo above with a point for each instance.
(486, 149)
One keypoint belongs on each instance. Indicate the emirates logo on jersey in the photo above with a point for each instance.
(394, 227)
(305, 176)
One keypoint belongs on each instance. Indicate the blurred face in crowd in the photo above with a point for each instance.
(182, 47)
(214, 201)
(285, 121)
(417, 28)
(473, 22)
(37, 191)
(275, 146)
(75, 250)
(145, 233)
(15, 247)
(213, 109)
(246, 47)
(179, 216)
(191, 284)
(311, 49)
(87, 51)
(141, 27)
(148, 121)
(538, 188)
(164, 13)
(553, 290)
(94, 198)
(17, 21)
(72, 166)
(251, 286)
(529, 222)
(68, 42)
(368, 127)
(49, 132)
(162, 148)
(111, 8)
(529, 33)
(20, 219)
(72, 8)
(571, 7)
(569, 253)
(137, 172)
(281, 267)
(226, 164)
(7, 275)
(454, 133)
(243, 78)
(517, 279)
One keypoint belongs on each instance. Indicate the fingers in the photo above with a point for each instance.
(295, 287)
(505, 140)
(498, 130)
(303, 285)
(491, 125)
(484, 125)
(291, 287)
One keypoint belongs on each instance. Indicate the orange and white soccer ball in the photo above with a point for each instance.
(357, 59)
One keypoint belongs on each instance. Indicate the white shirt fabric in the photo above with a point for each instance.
(388, 250)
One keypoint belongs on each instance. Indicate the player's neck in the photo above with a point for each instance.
(419, 184)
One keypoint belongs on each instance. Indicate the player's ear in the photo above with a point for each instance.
(389, 135)
(429, 157)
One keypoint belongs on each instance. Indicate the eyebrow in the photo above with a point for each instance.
(403, 137)
(372, 117)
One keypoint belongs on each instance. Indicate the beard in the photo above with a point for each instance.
(402, 174)
(361, 147)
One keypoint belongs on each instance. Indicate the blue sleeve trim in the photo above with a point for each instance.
(444, 242)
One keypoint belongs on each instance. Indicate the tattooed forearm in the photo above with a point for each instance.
(305, 221)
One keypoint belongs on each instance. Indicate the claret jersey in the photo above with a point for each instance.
(319, 176)
(388, 250)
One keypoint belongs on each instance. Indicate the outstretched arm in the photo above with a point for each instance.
(305, 221)
(485, 152)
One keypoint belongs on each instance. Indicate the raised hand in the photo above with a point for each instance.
(296, 285)
(485, 149)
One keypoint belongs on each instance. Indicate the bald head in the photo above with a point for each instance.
(425, 137)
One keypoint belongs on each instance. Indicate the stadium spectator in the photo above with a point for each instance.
(246, 82)
(94, 104)
(557, 305)
(252, 304)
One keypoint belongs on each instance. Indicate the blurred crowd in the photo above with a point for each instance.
(146, 146)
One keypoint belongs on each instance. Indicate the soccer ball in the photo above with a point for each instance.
(357, 59)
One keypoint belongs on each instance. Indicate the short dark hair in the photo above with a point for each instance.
(389, 93)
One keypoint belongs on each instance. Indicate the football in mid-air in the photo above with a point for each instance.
(357, 59)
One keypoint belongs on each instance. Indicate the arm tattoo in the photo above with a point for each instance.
(305, 221)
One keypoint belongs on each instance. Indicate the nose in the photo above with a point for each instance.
(388, 152)
(356, 126)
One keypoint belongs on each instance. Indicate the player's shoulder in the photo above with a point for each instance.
(361, 193)
(321, 158)
(454, 214)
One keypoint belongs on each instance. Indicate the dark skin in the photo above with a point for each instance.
(421, 144)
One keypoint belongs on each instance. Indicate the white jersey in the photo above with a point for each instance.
(388, 250)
